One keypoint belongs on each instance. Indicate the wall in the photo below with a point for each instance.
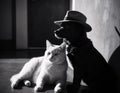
(102, 15)
(5, 20)
(21, 24)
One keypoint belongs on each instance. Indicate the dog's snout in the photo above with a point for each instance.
(61, 28)
(59, 32)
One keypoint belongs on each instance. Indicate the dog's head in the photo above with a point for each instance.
(70, 31)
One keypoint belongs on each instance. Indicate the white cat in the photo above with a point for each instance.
(50, 68)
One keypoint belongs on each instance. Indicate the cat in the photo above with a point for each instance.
(50, 68)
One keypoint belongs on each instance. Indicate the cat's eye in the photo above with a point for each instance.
(55, 54)
(49, 53)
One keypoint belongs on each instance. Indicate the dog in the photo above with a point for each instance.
(52, 68)
(89, 65)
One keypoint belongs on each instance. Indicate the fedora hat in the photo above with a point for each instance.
(77, 17)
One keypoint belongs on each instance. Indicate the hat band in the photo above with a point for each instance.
(73, 19)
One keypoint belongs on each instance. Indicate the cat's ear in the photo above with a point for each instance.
(48, 44)
(63, 45)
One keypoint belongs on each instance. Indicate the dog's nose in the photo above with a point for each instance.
(55, 31)
(59, 33)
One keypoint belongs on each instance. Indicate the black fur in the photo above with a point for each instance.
(89, 65)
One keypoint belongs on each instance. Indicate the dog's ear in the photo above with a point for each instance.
(48, 44)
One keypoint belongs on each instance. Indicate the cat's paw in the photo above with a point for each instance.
(38, 88)
(27, 83)
(14, 81)
(59, 89)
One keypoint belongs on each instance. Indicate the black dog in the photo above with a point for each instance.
(88, 63)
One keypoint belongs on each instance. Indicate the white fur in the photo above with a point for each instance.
(50, 68)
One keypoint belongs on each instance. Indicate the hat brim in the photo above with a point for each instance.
(86, 26)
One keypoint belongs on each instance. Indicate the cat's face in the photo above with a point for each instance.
(55, 53)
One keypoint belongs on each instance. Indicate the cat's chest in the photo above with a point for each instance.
(54, 70)
(55, 73)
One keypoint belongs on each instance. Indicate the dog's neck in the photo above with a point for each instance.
(81, 45)
(76, 43)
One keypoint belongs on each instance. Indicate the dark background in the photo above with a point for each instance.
(40, 17)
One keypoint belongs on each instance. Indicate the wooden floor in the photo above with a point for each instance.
(8, 67)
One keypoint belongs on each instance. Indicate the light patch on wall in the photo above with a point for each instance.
(105, 16)
(97, 2)
(106, 11)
